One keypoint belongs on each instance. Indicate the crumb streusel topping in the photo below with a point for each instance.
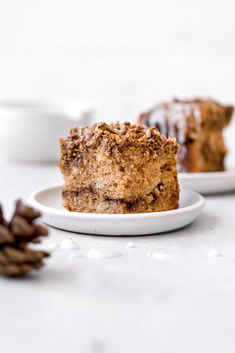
(112, 137)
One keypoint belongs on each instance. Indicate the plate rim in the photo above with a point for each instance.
(200, 203)
(207, 175)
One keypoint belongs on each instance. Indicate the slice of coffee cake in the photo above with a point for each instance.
(198, 126)
(119, 168)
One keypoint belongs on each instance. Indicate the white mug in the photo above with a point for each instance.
(30, 131)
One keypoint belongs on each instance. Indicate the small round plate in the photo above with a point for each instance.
(48, 201)
(209, 183)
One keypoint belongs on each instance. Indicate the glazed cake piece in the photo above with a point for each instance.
(120, 168)
(198, 126)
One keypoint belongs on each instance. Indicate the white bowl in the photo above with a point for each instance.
(30, 131)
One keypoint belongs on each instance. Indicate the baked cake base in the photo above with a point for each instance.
(88, 201)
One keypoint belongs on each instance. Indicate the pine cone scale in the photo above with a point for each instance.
(3, 258)
(21, 227)
(5, 235)
(26, 212)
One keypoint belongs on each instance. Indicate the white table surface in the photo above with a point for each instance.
(132, 303)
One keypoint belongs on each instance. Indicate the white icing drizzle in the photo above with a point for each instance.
(171, 119)
(130, 245)
(214, 253)
(69, 244)
(148, 133)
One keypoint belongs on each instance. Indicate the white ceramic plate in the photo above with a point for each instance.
(48, 201)
(208, 183)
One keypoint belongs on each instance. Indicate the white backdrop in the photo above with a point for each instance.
(123, 55)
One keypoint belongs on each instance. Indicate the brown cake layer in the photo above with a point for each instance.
(120, 168)
(198, 126)
(88, 201)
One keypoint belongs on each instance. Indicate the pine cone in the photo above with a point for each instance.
(16, 259)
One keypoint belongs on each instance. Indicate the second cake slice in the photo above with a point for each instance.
(198, 125)
(119, 168)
